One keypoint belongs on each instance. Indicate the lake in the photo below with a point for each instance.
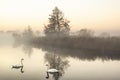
(71, 65)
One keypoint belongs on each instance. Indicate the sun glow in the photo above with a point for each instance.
(93, 14)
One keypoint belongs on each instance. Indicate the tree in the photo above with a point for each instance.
(28, 31)
(57, 24)
(105, 35)
(85, 33)
(28, 34)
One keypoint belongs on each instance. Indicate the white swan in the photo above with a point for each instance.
(52, 71)
(18, 66)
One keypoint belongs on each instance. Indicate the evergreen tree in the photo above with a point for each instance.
(57, 24)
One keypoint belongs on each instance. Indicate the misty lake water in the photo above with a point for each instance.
(35, 60)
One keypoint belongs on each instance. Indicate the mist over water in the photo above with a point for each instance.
(6, 39)
(74, 64)
(83, 43)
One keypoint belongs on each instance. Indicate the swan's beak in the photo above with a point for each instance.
(22, 59)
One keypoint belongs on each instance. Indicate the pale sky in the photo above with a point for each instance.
(98, 15)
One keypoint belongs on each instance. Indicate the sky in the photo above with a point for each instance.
(97, 15)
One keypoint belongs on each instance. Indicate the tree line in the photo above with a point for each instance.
(57, 34)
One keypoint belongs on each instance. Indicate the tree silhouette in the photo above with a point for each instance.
(57, 24)
(85, 33)
(28, 34)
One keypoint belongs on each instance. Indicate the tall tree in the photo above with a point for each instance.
(57, 24)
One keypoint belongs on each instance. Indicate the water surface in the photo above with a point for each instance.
(71, 65)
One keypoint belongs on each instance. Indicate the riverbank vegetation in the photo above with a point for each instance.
(57, 34)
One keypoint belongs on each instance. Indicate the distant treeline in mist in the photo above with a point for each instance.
(57, 34)
(103, 45)
(83, 40)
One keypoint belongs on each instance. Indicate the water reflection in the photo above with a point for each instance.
(19, 66)
(35, 68)
(56, 65)
(75, 53)
(83, 54)
(27, 49)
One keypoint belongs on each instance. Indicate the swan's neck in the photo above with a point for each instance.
(21, 62)
(47, 75)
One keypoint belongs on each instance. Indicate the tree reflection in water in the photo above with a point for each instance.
(57, 62)
(27, 49)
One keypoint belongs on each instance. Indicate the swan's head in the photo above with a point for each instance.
(47, 77)
(22, 59)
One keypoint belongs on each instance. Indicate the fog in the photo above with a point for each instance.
(6, 39)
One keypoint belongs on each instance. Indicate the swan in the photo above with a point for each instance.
(52, 71)
(18, 66)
